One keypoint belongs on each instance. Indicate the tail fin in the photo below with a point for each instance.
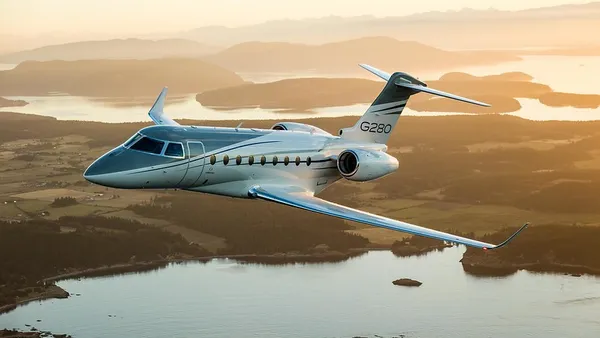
(380, 119)
(157, 113)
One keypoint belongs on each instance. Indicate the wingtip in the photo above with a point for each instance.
(509, 239)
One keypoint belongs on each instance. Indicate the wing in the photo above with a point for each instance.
(157, 113)
(300, 198)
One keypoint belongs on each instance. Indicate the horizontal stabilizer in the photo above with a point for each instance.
(376, 71)
(438, 93)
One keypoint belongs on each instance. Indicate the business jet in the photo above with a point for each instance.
(290, 164)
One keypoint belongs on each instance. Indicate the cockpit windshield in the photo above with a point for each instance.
(132, 140)
(145, 144)
(148, 145)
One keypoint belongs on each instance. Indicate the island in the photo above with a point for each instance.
(502, 91)
(417, 246)
(562, 249)
(110, 78)
(407, 282)
(12, 103)
(556, 99)
(34, 333)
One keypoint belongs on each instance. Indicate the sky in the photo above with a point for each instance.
(29, 18)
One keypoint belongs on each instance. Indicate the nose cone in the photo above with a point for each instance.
(96, 173)
(104, 171)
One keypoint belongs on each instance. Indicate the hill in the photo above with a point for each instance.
(485, 29)
(344, 56)
(112, 49)
(308, 93)
(551, 248)
(115, 77)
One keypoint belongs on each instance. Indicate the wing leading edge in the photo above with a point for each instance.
(299, 198)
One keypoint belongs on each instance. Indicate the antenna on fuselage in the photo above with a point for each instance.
(239, 125)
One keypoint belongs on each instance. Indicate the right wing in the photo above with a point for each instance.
(157, 113)
(300, 198)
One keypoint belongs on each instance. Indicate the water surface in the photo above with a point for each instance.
(226, 299)
(561, 73)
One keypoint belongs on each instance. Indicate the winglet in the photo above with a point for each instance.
(509, 238)
(157, 114)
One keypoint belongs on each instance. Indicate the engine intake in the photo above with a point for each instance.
(365, 165)
(348, 163)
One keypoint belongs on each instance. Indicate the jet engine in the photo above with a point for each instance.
(365, 165)
(294, 126)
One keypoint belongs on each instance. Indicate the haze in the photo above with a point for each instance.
(114, 18)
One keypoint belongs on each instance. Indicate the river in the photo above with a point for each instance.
(565, 74)
(223, 298)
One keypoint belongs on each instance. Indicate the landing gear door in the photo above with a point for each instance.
(193, 177)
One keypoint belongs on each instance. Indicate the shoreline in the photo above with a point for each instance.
(53, 291)
(471, 265)
(483, 267)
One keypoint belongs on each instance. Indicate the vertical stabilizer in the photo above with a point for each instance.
(157, 113)
(379, 120)
(376, 125)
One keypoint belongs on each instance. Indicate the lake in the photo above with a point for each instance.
(567, 74)
(223, 298)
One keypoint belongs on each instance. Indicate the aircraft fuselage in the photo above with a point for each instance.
(223, 161)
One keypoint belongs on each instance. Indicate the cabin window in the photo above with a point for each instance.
(132, 140)
(213, 159)
(148, 145)
(308, 160)
(174, 150)
(275, 160)
(196, 149)
(250, 160)
(238, 160)
(263, 160)
(286, 160)
(225, 160)
(297, 160)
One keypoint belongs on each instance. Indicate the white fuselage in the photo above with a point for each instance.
(254, 156)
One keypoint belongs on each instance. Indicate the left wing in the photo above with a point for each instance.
(300, 198)
(157, 113)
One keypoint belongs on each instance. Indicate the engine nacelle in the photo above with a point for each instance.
(294, 126)
(365, 165)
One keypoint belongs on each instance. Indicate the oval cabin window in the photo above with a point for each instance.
(297, 160)
(286, 160)
(308, 160)
(250, 160)
(238, 160)
(213, 159)
(225, 160)
(263, 160)
(275, 160)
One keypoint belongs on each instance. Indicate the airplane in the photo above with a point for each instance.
(290, 163)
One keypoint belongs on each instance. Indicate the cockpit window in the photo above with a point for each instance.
(174, 149)
(148, 145)
(132, 140)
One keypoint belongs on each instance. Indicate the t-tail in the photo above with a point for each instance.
(379, 120)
